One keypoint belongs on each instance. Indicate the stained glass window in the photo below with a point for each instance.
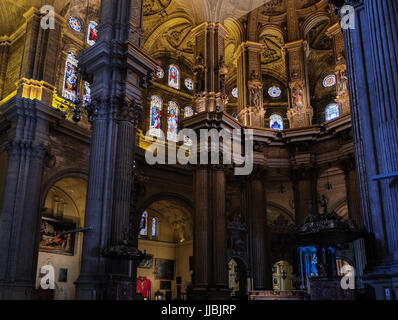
(87, 93)
(144, 224)
(174, 77)
(172, 121)
(188, 112)
(92, 34)
(332, 111)
(75, 24)
(235, 93)
(69, 90)
(329, 81)
(276, 122)
(189, 84)
(159, 73)
(274, 92)
(156, 115)
(154, 228)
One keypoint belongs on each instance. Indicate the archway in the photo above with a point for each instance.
(166, 236)
(237, 279)
(64, 210)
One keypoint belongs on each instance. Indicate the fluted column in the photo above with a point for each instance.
(210, 69)
(261, 269)
(20, 212)
(201, 275)
(220, 274)
(372, 54)
(351, 181)
(112, 147)
(305, 193)
(300, 112)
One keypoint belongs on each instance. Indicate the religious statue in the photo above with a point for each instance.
(324, 205)
(343, 81)
(254, 97)
(297, 96)
(199, 71)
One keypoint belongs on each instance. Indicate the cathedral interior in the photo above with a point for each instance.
(87, 87)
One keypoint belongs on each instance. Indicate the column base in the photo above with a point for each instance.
(121, 288)
(381, 280)
(210, 294)
(16, 291)
(89, 288)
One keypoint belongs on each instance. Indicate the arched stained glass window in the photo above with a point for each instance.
(156, 115)
(154, 227)
(329, 81)
(274, 92)
(159, 73)
(174, 77)
(188, 112)
(92, 34)
(86, 93)
(276, 122)
(332, 112)
(144, 224)
(172, 121)
(235, 93)
(75, 24)
(69, 90)
(189, 84)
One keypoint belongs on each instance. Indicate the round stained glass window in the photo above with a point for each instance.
(189, 84)
(329, 81)
(75, 24)
(159, 73)
(274, 92)
(235, 93)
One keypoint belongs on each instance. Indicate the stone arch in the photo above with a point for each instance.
(313, 20)
(59, 175)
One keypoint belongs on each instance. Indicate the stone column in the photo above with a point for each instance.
(202, 261)
(220, 273)
(261, 268)
(112, 146)
(351, 181)
(305, 193)
(372, 54)
(4, 50)
(342, 93)
(300, 112)
(20, 213)
(250, 87)
(210, 67)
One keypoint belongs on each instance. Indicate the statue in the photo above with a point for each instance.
(324, 205)
(199, 71)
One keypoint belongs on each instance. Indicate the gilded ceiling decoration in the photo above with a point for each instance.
(152, 7)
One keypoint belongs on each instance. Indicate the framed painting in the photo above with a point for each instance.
(53, 238)
(164, 269)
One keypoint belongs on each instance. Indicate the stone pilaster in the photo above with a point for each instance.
(209, 67)
(305, 193)
(371, 54)
(20, 212)
(115, 55)
(220, 274)
(260, 249)
(300, 112)
(351, 181)
(4, 50)
(250, 87)
(342, 93)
